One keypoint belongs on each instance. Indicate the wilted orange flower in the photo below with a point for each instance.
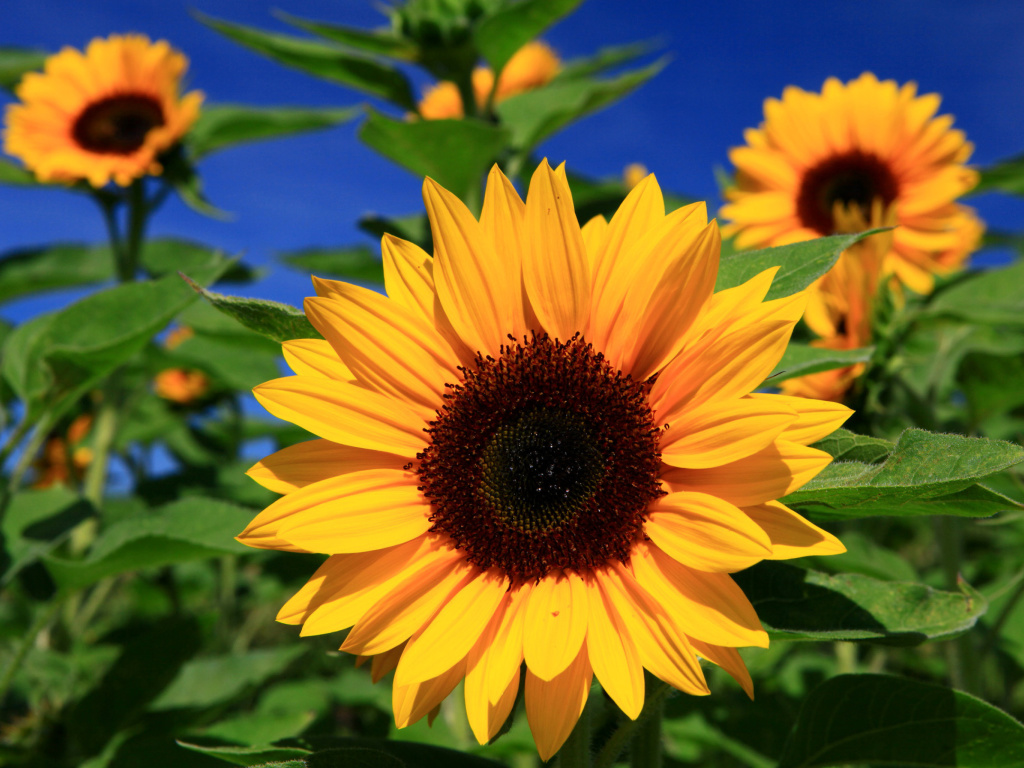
(544, 445)
(854, 146)
(102, 115)
(532, 66)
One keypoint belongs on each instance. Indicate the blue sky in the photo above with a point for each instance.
(726, 58)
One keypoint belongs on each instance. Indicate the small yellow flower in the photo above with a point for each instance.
(532, 66)
(102, 115)
(857, 145)
(180, 385)
(543, 445)
(633, 174)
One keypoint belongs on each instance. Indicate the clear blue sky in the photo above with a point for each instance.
(726, 58)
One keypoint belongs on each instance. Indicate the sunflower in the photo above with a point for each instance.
(181, 385)
(103, 115)
(542, 446)
(532, 66)
(857, 145)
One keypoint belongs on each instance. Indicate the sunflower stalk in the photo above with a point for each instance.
(653, 706)
(575, 752)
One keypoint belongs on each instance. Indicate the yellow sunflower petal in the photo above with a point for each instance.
(302, 464)
(613, 656)
(344, 413)
(721, 432)
(505, 653)
(503, 220)
(815, 419)
(791, 534)
(315, 357)
(412, 702)
(453, 632)
(710, 605)
(706, 532)
(474, 287)
(556, 270)
(728, 659)
(553, 706)
(486, 716)
(555, 623)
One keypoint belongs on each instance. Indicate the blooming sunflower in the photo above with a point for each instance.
(542, 446)
(850, 146)
(532, 66)
(102, 115)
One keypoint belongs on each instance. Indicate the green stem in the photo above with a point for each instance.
(28, 454)
(575, 752)
(646, 748)
(16, 436)
(959, 653)
(108, 205)
(45, 616)
(138, 214)
(609, 754)
(104, 431)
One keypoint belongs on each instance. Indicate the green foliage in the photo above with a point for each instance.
(991, 297)
(15, 62)
(844, 445)
(503, 33)
(926, 474)
(803, 359)
(795, 604)
(800, 264)
(1006, 176)
(885, 720)
(224, 125)
(358, 264)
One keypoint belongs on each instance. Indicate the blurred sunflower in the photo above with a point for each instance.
(542, 445)
(103, 115)
(532, 66)
(866, 145)
(181, 385)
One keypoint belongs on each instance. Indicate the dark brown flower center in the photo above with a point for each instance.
(544, 458)
(855, 178)
(117, 125)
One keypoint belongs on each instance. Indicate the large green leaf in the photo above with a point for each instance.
(272, 319)
(534, 115)
(224, 125)
(262, 756)
(53, 359)
(65, 265)
(992, 296)
(15, 62)
(358, 263)
(454, 153)
(795, 604)
(605, 59)
(374, 42)
(214, 680)
(800, 263)
(354, 753)
(1005, 176)
(926, 474)
(501, 34)
(802, 359)
(191, 529)
(330, 62)
(35, 523)
(885, 720)
(12, 173)
(843, 445)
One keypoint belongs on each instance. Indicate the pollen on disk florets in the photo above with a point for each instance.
(546, 457)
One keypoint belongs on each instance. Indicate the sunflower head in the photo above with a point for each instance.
(540, 457)
(102, 115)
(820, 163)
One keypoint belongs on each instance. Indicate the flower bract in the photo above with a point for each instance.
(102, 115)
(540, 456)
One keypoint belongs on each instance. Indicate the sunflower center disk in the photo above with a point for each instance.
(856, 178)
(117, 125)
(544, 458)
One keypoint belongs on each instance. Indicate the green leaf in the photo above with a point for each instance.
(843, 445)
(358, 263)
(795, 604)
(249, 755)
(991, 384)
(239, 361)
(926, 474)
(65, 265)
(415, 228)
(150, 660)
(885, 720)
(224, 125)
(327, 61)
(272, 319)
(992, 296)
(170, 255)
(35, 523)
(534, 115)
(191, 529)
(12, 173)
(1006, 176)
(605, 59)
(454, 153)
(213, 680)
(15, 62)
(376, 42)
(501, 34)
(802, 359)
(368, 753)
(800, 263)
